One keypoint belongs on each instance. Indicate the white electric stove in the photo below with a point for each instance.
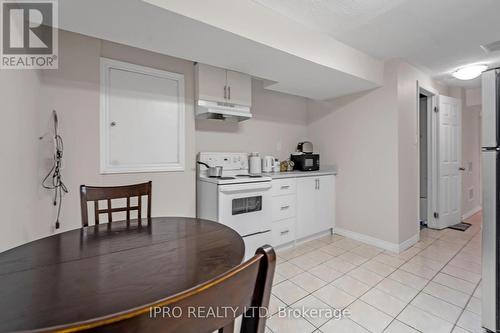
(237, 199)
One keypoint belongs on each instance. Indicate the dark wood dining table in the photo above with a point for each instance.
(97, 271)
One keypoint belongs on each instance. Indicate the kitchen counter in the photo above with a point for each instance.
(295, 174)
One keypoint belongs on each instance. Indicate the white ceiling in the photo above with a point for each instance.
(239, 35)
(435, 35)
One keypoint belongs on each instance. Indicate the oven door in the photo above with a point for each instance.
(246, 207)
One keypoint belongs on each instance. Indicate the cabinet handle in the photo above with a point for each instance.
(284, 187)
(318, 184)
(285, 207)
(225, 92)
(284, 232)
(229, 92)
(315, 184)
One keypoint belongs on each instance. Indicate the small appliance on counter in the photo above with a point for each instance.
(277, 165)
(305, 147)
(268, 164)
(304, 159)
(305, 162)
(255, 164)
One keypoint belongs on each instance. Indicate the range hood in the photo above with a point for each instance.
(222, 111)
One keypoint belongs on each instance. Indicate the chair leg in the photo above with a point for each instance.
(229, 328)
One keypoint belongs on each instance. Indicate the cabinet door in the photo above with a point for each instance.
(239, 88)
(306, 206)
(210, 83)
(325, 203)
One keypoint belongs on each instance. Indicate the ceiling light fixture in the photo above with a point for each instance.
(469, 72)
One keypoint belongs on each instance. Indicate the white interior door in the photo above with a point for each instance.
(449, 160)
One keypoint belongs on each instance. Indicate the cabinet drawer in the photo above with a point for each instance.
(283, 231)
(283, 186)
(283, 207)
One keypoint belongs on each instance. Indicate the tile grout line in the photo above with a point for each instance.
(346, 273)
(359, 297)
(458, 251)
(465, 308)
(406, 260)
(327, 283)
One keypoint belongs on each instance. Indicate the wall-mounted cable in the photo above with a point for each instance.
(53, 180)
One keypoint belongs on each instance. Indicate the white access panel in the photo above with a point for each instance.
(142, 119)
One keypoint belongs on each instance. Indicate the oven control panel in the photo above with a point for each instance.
(229, 161)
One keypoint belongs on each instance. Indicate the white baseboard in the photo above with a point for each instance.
(471, 212)
(393, 247)
(409, 242)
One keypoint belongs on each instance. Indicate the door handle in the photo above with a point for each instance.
(225, 92)
(461, 169)
(229, 92)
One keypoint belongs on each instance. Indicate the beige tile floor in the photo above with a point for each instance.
(432, 287)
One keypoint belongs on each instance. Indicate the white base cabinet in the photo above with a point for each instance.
(302, 207)
(315, 205)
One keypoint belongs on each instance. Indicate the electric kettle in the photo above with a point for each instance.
(267, 164)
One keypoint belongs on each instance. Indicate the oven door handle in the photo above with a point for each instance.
(245, 188)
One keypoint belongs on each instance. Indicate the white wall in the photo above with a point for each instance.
(279, 122)
(370, 136)
(358, 133)
(373, 138)
(471, 159)
(408, 151)
(73, 90)
(471, 147)
(473, 97)
(20, 197)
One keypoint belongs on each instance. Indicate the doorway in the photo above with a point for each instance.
(440, 153)
(424, 149)
(428, 155)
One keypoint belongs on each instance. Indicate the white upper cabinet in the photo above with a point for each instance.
(220, 85)
(210, 83)
(239, 88)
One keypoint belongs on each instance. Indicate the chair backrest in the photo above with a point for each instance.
(98, 193)
(244, 290)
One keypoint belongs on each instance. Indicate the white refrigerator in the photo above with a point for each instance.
(490, 179)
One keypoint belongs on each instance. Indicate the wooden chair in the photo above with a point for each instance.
(95, 194)
(245, 288)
